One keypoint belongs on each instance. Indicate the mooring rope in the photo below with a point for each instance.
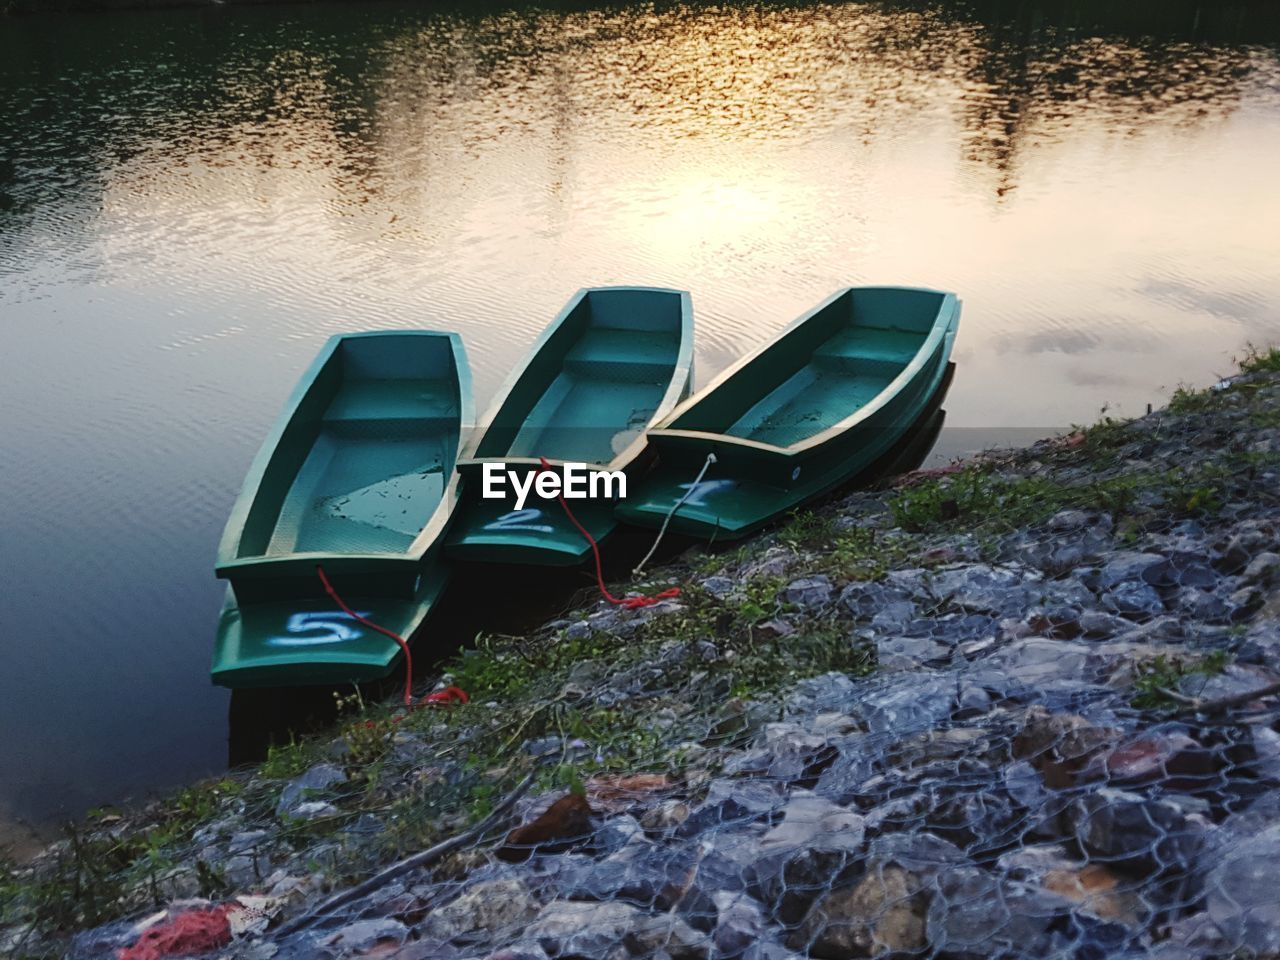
(711, 458)
(629, 603)
(446, 696)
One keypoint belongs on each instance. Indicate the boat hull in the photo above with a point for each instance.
(356, 479)
(614, 361)
(753, 480)
(287, 643)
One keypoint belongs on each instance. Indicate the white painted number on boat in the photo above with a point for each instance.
(520, 520)
(335, 625)
(698, 491)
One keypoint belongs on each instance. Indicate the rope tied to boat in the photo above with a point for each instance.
(627, 603)
(666, 521)
(446, 697)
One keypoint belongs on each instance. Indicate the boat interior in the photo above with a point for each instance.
(595, 384)
(364, 462)
(821, 371)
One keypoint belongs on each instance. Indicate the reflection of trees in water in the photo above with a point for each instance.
(341, 88)
(1031, 81)
(1011, 73)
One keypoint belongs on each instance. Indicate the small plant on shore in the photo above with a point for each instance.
(807, 529)
(286, 760)
(1164, 674)
(1103, 436)
(1260, 360)
(1186, 401)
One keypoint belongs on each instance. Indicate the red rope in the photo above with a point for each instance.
(447, 696)
(198, 931)
(629, 603)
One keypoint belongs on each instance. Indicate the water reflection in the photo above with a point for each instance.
(190, 201)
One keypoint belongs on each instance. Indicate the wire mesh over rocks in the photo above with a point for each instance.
(1026, 707)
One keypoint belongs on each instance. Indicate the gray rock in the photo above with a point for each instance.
(921, 853)
(706, 651)
(1263, 570)
(1185, 569)
(786, 752)
(829, 692)
(1134, 832)
(972, 913)
(740, 922)
(1201, 605)
(1192, 938)
(883, 913)
(668, 814)
(489, 908)
(799, 856)
(245, 840)
(733, 802)
(360, 936)
(775, 562)
(907, 703)
(1065, 520)
(1233, 680)
(1265, 764)
(517, 951)
(1127, 566)
(1241, 892)
(1133, 598)
(578, 630)
(895, 616)
(1036, 661)
(867, 600)
(313, 810)
(983, 588)
(245, 871)
(808, 593)
(316, 780)
(913, 582)
(853, 765)
(718, 587)
(906, 653)
(575, 928)
(1098, 624)
(644, 873)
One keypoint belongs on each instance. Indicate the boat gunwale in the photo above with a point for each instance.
(944, 322)
(229, 561)
(681, 371)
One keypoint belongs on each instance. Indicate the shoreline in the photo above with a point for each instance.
(1001, 682)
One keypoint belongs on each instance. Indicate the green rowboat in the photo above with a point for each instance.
(812, 409)
(613, 362)
(357, 477)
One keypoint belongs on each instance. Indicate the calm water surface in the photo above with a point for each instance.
(191, 201)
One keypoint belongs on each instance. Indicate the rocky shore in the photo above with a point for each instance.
(1027, 706)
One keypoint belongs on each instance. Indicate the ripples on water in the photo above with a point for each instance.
(190, 201)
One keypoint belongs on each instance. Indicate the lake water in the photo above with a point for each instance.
(191, 201)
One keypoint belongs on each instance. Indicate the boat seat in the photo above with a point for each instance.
(895, 347)
(382, 401)
(634, 356)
